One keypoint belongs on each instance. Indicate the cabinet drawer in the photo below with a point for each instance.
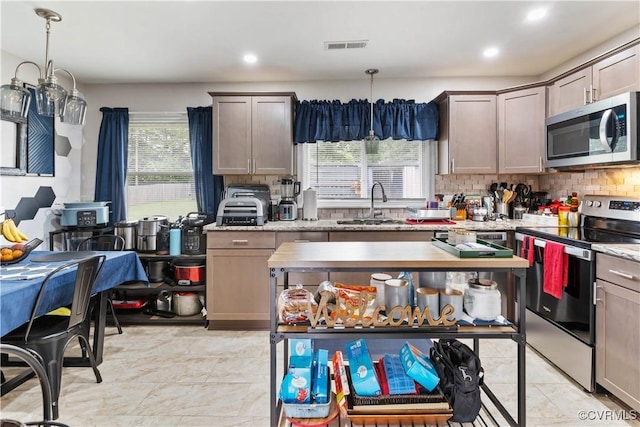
(301, 236)
(622, 272)
(241, 240)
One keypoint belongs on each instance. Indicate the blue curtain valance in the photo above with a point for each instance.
(336, 121)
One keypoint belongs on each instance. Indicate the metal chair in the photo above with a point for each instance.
(49, 335)
(105, 242)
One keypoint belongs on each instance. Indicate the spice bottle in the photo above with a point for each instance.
(574, 202)
(563, 216)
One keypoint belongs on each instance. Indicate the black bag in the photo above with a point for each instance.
(460, 377)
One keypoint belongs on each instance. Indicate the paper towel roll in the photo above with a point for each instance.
(310, 204)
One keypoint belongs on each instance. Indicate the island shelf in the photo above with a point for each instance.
(301, 257)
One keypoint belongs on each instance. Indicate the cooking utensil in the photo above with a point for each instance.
(186, 303)
(189, 272)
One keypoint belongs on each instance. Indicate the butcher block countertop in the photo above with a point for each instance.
(375, 255)
(332, 225)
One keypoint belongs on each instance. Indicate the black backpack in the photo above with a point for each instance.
(460, 377)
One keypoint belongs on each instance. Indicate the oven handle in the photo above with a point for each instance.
(581, 253)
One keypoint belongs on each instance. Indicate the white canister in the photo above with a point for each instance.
(483, 300)
(428, 297)
(377, 280)
(309, 204)
(453, 297)
(396, 293)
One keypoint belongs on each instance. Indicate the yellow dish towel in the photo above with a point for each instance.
(62, 311)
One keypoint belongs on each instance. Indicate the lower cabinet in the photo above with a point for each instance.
(238, 279)
(618, 328)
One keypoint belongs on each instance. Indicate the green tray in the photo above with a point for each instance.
(500, 252)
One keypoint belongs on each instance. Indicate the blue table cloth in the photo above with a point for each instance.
(20, 283)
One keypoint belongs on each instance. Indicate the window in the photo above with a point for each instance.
(342, 171)
(159, 172)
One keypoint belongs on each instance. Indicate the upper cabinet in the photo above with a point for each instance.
(521, 130)
(613, 75)
(467, 133)
(253, 133)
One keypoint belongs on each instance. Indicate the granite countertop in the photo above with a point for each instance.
(629, 251)
(332, 225)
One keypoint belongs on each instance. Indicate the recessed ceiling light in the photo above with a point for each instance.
(536, 14)
(250, 58)
(490, 52)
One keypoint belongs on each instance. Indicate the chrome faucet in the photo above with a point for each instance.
(372, 211)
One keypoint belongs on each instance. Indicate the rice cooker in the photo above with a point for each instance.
(189, 272)
(85, 214)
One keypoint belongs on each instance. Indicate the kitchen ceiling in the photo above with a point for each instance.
(204, 41)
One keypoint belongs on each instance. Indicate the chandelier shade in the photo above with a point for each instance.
(51, 98)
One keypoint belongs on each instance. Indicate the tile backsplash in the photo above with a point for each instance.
(615, 181)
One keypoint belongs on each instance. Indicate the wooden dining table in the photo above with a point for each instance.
(21, 282)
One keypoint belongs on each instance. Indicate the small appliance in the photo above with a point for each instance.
(128, 231)
(85, 214)
(189, 272)
(148, 229)
(244, 204)
(194, 239)
(288, 208)
(604, 132)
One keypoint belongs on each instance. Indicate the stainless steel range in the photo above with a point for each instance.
(563, 329)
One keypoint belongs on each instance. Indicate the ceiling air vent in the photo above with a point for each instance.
(350, 44)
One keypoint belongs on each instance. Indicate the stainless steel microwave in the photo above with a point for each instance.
(604, 132)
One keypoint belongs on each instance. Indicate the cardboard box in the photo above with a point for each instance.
(320, 384)
(300, 368)
(418, 366)
(363, 376)
(301, 347)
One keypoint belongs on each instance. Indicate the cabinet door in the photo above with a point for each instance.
(238, 288)
(570, 92)
(617, 74)
(310, 280)
(618, 341)
(521, 130)
(472, 134)
(231, 135)
(271, 133)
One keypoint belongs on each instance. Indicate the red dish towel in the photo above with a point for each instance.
(556, 268)
(528, 249)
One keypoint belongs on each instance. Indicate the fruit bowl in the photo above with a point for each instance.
(18, 251)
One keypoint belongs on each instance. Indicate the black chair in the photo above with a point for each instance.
(105, 242)
(49, 335)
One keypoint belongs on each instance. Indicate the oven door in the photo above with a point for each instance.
(575, 310)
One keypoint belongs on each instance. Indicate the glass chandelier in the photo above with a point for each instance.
(371, 141)
(51, 98)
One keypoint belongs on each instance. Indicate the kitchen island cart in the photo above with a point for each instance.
(390, 256)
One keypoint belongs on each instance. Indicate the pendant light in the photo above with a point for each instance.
(51, 98)
(371, 141)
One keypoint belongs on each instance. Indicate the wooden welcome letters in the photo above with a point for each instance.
(349, 318)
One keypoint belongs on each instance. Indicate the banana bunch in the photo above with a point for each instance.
(11, 232)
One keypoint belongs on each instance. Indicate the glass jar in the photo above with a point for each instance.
(483, 300)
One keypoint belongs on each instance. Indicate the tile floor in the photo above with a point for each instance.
(184, 375)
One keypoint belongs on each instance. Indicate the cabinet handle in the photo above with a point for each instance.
(593, 94)
(239, 241)
(301, 241)
(540, 164)
(621, 274)
(599, 300)
(453, 165)
(248, 165)
(584, 99)
(254, 165)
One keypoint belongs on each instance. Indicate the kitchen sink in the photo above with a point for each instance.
(370, 221)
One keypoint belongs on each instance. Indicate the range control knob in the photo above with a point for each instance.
(588, 203)
(597, 204)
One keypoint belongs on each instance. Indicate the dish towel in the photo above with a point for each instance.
(556, 269)
(528, 249)
(399, 382)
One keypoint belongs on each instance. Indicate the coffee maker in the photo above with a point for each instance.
(288, 208)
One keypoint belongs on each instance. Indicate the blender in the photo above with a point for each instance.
(288, 208)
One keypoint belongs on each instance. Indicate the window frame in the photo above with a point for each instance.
(428, 173)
